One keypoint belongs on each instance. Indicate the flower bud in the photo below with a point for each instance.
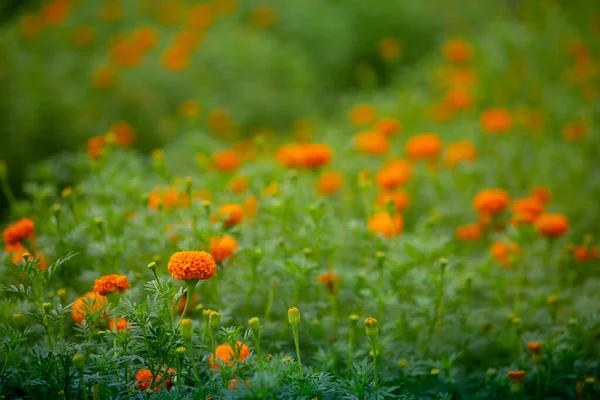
(402, 363)
(79, 361)
(443, 262)
(18, 318)
(180, 352)
(152, 266)
(254, 324)
(214, 319)
(294, 316)
(307, 251)
(516, 379)
(353, 319)
(66, 192)
(380, 256)
(186, 329)
(46, 306)
(371, 326)
(435, 372)
(62, 293)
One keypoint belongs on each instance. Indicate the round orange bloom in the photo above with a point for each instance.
(534, 347)
(399, 198)
(124, 53)
(389, 48)
(239, 184)
(496, 120)
(234, 384)
(290, 155)
(200, 17)
(56, 12)
(189, 109)
(516, 376)
(388, 126)
(362, 114)
(122, 324)
(331, 280)
(30, 26)
(103, 77)
(18, 257)
(552, 225)
(192, 264)
(457, 51)
(176, 58)
(423, 146)
(18, 231)
(393, 174)
(91, 302)
(222, 248)
(227, 355)
(458, 99)
(227, 160)
(144, 38)
(83, 35)
(372, 142)
(95, 146)
(382, 223)
(111, 283)
(460, 151)
(330, 182)
(144, 378)
(491, 201)
(314, 155)
(542, 193)
(468, 232)
(251, 205)
(233, 214)
(125, 134)
(263, 17)
(527, 209)
(504, 253)
(582, 253)
(576, 130)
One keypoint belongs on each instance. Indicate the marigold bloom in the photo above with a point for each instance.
(250, 205)
(18, 231)
(552, 225)
(190, 109)
(491, 201)
(219, 120)
(458, 99)
(263, 17)
(125, 54)
(527, 209)
(399, 198)
(314, 155)
(330, 182)
(372, 142)
(504, 252)
(111, 283)
(95, 146)
(331, 280)
(56, 12)
(227, 356)
(227, 160)
(516, 376)
(103, 77)
(125, 133)
(144, 379)
(389, 48)
(423, 146)
(582, 253)
(534, 347)
(18, 257)
(362, 114)
(460, 151)
(388, 126)
(468, 232)
(239, 184)
(542, 193)
(393, 174)
(233, 214)
(576, 130)
(457, 51)
(144, 38)
(382, 223)
(192, 264)
(222, 248)
(176, 58)
(30, 26)
(91, 302)
(180, 306)
(122, 324)
(496, 120)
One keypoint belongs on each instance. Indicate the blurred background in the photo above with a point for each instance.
(151, 70)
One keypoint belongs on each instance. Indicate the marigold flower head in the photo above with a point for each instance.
(362, 114)
(144, 379)
(192, 264)
(122, 324)
(372, 142)
(527, 209)
(176, 58)
(576, 130)
(399, 198)
(504, 252)
(393, 174)
(18, 231)
(316, 155)
(389, 48)
(331, 280)
(384, 224)
(457, 51)
(103, 77)
(91, 302)
(125, 133)
(468, 232)
(222, 248)
(388, 126)
(227, 356)
(534, 347)
(516, 376)
(227, 160)
(583, 253)
(233, 214)
(491, 201)
(330, 182)
(190, 109)
(250, 205)
(542, 193)
(423, 146)
(219, 121)
(552, 225)
(56, 12)
(180, 306)
(144, 38)
(95, 146)
(460, 151)
(111, 283)
(496, 120)
(458, 99)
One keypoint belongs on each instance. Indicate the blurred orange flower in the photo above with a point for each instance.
(399, 198)
(239, 184)
(388, 126)
(504, 252)
(460, 151)
(423, 146)
(542, 193)
(125, 133)
(226, 160)
(331, 280)
(222, 248)
(95, 146)
(363, 114)
(103, 77)
(496, 120)
(389, 48)
(576, 130)
(491, 201)
(330, 182)
(457, 51)
(552, 225)
(111, 283)
(233, 214)
(394, 173)
(384, 224)
(227, 356)
(91, 302)
(373, 143)
(468, 232)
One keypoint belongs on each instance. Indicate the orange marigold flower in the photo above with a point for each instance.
(468, 232)
(460, 151)
(330, 182)
(423, 146)
(542, 193)
(251, 205)
(382, 223)
(95, 146)
(331, 280)
(219, 120)
(372, 142)
(233, 214)
(176, 58)
(125, 133)
(316, 155)
(144, 379)
(227, 356)
(399, 198)
(290, 155)
(552, 225)
(534, 347)
(222, 248)
(496, 120)
(227, 160)
(111, 283)
(234, 384)
(504, 252)
(30, 26)
(388, 126)
(18, 257)
(457, 51)
(103, 77)
(91, 302)
(576, 130)
(393, 174)
(122, 324)
(263, 17)
(363, 114)
(516, 376)
(18, 231)
(527, 209)
(190, 109)
(458, 99)
(389, 48)
(56, 12)
(192, 264)
(239, 184)
(144, 38)
(200, 17)
(491, 201)
(582, 253)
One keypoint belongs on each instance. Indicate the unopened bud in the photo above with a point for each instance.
(294, 316)
(371, 326)
(56, 208)
(66, 192)
(254, 324)
(214, 319)
(62, 293)
(186, 329)
(180, 352)
(79, 361)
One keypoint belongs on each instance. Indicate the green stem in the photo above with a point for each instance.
(373, 340)
(297, 343)
(189, 293)
(270, 302)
